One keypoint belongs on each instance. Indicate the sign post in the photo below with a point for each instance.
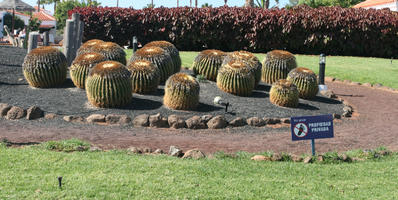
(311, 128)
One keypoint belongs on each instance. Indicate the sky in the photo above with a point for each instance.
(138, 4)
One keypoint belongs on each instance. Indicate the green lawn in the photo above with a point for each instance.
(358, 69)
(31, 173)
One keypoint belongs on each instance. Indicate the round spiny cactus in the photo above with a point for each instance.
(81, 67)
(159, 57)
(181, 92)
(87, 46)
(276, 65)
(145, 76)
(109, 85)
(111, 51)
(171, 49)
(249, 58)
(236, 78)
(207, 63)
(45, 67)
(306, 82)
(284, 93)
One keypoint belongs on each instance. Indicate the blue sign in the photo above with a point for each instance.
(312, 127)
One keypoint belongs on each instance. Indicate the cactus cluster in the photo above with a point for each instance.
(109, 85)
(284, 93)
(171, 49)
(45, 67)
(276, 65)
(81, 66)
(181, 92)
(236, 78)
(306, 82)
(145, 76)
(88, 46)
(250, 59)
(159, 57)
(111, 51)
(207, 63)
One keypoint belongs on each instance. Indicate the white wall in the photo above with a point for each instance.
(392, 6)
(1, 23)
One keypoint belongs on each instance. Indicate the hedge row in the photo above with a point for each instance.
(331, 30)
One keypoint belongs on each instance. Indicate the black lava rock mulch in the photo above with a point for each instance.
(69, 100)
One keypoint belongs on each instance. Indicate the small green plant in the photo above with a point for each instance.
(201, 78)
(66, 145)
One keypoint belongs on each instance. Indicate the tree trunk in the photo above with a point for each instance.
(178, 3)
(266, 4)
(190, 3)
(38, 5)
(55, 6)
(196, 3)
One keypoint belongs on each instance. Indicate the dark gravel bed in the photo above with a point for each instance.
(68, 100)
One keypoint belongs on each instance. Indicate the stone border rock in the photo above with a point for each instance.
(160, 121)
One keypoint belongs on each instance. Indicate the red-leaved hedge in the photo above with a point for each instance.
(330, 30)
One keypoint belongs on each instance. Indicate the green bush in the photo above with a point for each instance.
(66, 145)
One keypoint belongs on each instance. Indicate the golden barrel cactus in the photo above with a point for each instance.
(171, 49)
(109, 85)
(284, 93)
(145, 77)
(237, 78)
(159, 57)
(181, 92)
(207, 63)
(81, 66)
(87, 46)
(250, 59)
(276, 65)
(45, 67)
(111, 51)
(306, 82)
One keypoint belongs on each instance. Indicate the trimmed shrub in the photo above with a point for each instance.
(330, 30)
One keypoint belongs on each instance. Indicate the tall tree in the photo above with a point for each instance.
(55, 2)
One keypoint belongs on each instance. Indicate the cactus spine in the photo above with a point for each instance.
(250, 59)
(45, 67)
(306, 82)
(88, 46)
(276, 65)
(159, 57)
(109, 85)
(284, 93)
(171, 49)
(207, 63)
(81, 67)
(111, 51)
(145, 76)
(236, 78)
(181, 92)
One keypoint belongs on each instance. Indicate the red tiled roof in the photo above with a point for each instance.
(370, 3)
(42, 16)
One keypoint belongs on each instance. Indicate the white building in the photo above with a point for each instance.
(379, 4)
(25, 18)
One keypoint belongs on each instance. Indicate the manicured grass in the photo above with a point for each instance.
(358, 69)
(31, 173)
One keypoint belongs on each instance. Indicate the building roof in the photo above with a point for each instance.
(43, 16)
(370, 3)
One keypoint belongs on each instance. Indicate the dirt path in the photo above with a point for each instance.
(374, 125)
